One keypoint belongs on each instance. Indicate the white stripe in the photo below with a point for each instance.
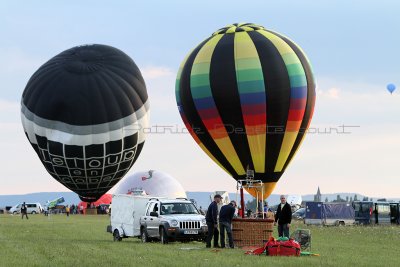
(33, 129)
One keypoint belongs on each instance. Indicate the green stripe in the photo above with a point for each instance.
(247, 63)
(298, 80)
(251, 86)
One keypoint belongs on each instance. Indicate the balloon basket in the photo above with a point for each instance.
(251, 232)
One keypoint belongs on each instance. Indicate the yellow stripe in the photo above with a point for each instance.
(245, 48)
(226, 147)
(288, 140)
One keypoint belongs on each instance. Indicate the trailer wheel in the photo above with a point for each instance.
(341, 223)
(116, 235)
(144, 236)
(163, 236)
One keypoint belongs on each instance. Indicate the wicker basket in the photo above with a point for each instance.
(251, 232)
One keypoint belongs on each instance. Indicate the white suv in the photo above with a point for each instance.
(32, 208)
(172, 219)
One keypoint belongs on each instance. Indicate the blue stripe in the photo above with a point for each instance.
(253, 98)
(298, 92)
(204, 103)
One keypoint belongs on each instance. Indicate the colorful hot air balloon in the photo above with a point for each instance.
(391, 87)
(247, 95)
(82, 112)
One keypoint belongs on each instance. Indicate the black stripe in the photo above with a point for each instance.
(226, 96)
(277, 86)
(310, 97)
(189, 109)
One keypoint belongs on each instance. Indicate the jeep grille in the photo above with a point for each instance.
(189, 225)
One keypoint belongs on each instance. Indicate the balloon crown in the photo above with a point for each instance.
(239, 27)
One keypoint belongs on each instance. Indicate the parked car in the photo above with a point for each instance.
(299, 214)
(32, 208)
(155, 218)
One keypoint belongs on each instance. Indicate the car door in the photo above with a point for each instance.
(146, 219)
(153, 221)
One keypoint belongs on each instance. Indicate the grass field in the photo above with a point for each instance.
(83, 241)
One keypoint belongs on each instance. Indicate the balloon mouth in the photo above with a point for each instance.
(84, 59)
(89, 199)
(239, 27)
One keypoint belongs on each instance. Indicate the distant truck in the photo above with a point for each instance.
(320, 213)
(368, 212)
(155, 218)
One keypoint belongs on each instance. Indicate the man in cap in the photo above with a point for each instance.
(212, 222)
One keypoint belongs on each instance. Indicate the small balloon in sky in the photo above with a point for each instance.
(391, 87)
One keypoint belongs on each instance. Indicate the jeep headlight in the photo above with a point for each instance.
(203, 221)
(174, 223)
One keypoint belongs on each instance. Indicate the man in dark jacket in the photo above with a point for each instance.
(24, 211)
(212, 221)
(283, 217)
(225, 223)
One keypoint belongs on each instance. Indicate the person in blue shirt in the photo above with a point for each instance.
(225, 223)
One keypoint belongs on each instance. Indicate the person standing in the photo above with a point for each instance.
(24, 211)
(212, 222)
(67, 210)
(225, 223)
(283, 217)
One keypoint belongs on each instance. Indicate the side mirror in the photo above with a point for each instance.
(153, 214)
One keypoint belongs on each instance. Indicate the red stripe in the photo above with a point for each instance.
(299, 103)
(296, 115)
(254, 109)
(254, 120)
(208, 113)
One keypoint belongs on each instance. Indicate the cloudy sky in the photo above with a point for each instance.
(354, 140)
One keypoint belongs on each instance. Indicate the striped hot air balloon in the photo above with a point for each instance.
(83, 112)
(247, 95)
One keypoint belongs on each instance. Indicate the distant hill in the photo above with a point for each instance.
(202, 198)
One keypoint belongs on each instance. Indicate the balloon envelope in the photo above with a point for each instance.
(82, 112)
(247, 95)
(391, 87)
(153, 183)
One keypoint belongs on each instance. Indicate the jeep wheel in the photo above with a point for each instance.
(163, 236)
(144, 236)
(33, 212)
(14, 212)
(116, 235)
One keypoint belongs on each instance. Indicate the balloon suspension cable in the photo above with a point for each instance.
(250, 183)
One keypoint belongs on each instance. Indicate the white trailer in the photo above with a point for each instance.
(125, 215)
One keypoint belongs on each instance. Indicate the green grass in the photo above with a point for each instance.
(83, 241)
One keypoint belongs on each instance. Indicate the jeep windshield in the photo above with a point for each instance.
(178, 208)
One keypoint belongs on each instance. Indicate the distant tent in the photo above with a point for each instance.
(104, 199)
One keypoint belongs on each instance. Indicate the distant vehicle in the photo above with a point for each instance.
(321, 213)
(32, 208)
(382, 212)
(395, 213)
(364, 212)
(299, 214)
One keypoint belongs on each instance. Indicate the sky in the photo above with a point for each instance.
(353, 143)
